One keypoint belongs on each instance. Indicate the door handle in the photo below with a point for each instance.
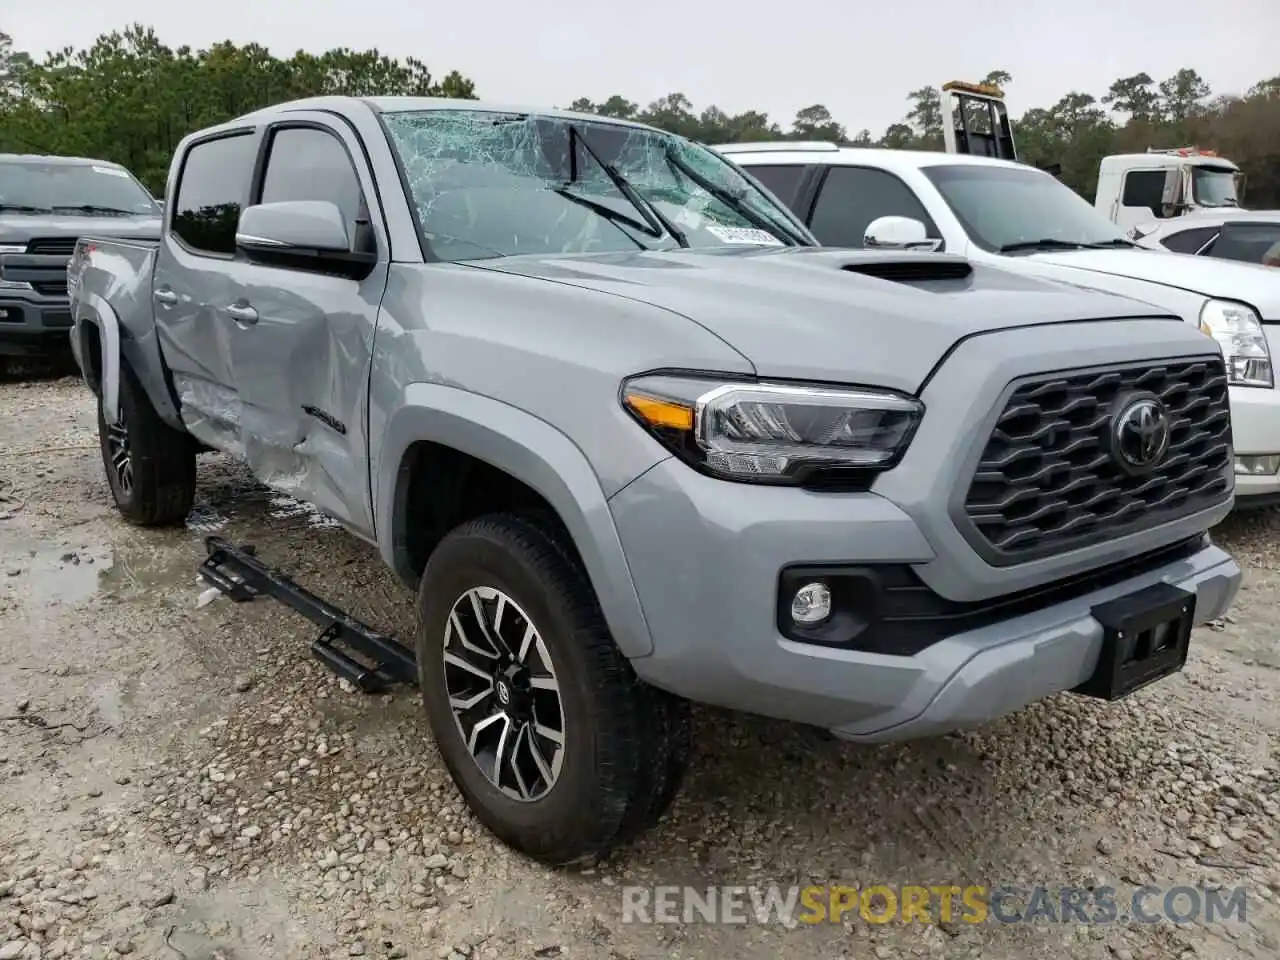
(243, 314)
(167, 297)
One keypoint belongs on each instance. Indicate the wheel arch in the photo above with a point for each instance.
(105, 343)
(527, 450)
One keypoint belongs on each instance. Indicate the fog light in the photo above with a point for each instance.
(811, 603)
(1259, 466)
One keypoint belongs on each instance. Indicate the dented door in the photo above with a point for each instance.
(300, 341)
(194, 276)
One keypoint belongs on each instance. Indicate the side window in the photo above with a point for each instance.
(304, 163)
(782, 181)
(1250, 243)
(215, 177)
(1144, 188)
(852, 197)
(1189, 241)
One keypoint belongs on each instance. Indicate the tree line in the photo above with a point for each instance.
(130, 98)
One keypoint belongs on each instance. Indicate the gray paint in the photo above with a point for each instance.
(691, 539)
(518, 362)
(39, 310)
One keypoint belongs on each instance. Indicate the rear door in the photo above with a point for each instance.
(193, 282)
(300, 341)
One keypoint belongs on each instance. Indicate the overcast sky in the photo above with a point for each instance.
(857, 58)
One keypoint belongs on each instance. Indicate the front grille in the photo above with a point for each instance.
(1047, 482)
(52, 246)
(50, 288)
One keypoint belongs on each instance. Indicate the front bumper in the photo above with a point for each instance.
(1255, 432)
(705, 556)
(32, 324)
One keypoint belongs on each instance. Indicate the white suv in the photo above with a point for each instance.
(1026, 221)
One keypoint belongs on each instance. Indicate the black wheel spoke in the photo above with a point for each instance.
(504, 696)
(120, 453)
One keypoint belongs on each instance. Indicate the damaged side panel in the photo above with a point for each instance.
(286, 391)
(109, 282)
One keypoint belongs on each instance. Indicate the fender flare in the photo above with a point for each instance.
(104, 318)
(533, 452)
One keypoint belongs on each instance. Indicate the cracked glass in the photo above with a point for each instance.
(491, 184)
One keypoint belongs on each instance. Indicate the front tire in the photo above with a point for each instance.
(151, 467)
(558, 747)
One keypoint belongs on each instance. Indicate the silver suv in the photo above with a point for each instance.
(636, 441)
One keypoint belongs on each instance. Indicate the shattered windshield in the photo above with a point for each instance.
(490, 184)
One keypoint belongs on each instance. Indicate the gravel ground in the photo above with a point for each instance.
(180, 780)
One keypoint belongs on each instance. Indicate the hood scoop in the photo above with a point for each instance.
(913, 271)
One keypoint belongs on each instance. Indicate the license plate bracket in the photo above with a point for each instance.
(1146, 636)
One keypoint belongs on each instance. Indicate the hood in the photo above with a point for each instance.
(21, 227)
(1253, 284)
(822, 314)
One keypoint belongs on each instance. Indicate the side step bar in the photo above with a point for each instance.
(368, 659)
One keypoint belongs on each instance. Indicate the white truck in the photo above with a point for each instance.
(992, 209)
(1140, 191)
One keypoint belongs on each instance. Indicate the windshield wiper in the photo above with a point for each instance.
(22, 208)
(657, 224)
(614, 216)
(1107, 244)
(1046, 243)
(94, 208)
(735, 203)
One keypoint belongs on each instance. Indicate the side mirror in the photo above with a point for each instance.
(898, 233)
(305, 234)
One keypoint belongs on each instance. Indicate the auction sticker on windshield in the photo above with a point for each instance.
(111, 170)
(762, 238)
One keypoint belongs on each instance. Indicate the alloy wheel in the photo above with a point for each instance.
(118, 450)
(503, 693)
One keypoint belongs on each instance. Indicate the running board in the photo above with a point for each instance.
(355, 652)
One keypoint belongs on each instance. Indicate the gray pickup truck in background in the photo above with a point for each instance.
(46, 204)
(636, 441)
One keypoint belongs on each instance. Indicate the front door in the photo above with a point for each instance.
(300, 342)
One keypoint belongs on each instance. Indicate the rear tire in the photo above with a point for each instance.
(151, 467)
(611, 750)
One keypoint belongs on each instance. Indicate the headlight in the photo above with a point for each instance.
(774, 433)
(1244, 346)
(13, 248)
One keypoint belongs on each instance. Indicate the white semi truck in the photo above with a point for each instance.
(1136, 191)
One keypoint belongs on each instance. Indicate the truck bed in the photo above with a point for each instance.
(110, 285)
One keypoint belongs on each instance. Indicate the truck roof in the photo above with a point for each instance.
(346, 105)
(47, 158)
(1149, 160)
(836, 153)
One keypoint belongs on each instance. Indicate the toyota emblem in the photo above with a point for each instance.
(1140, 434)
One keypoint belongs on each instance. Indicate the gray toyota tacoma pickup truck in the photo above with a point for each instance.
(46, 203)
(636, 440)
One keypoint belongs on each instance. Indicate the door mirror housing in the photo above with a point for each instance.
(898, 233)
(1174, 197)
(303, 234)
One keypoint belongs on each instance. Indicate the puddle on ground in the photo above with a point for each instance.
(109, 700)
(38, 573)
